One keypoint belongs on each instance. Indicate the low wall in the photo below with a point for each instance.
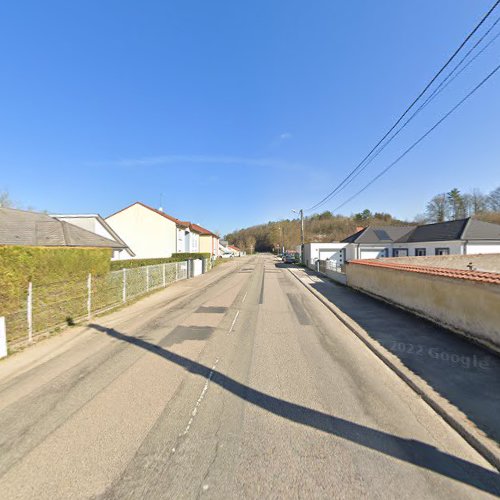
(464, 301)
(480, 262)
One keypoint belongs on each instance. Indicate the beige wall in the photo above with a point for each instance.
(148, 234)
(206, 243)
(470, 307)
(488, 263)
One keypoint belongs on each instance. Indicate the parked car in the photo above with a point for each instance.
(289, 258)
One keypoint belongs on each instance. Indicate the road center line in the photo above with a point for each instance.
(200, 399)
(244, 297)
(234, 321)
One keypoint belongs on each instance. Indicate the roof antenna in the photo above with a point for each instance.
(161, 202)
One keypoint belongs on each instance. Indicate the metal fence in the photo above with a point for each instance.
(329, 265)
(48, 306)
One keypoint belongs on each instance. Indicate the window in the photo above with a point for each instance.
(442, 251)
(420, 252)
(400, 252)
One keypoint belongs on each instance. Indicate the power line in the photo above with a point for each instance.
(399, 158)
(434, 78)
(434, 94)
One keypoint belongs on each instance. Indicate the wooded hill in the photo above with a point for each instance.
(326, 227)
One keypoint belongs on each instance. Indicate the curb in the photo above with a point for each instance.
(483, 445)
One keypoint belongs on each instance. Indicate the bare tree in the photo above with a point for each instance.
(436, 208)
(6, 200)
(493, 201)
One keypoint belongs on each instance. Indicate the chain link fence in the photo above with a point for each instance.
(53, 305)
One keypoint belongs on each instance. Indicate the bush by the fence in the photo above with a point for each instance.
(178, 257)
(43, 265)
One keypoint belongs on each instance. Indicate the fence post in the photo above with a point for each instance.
(89, 296)
(29, 311)
(164, 275)
(124, 291)
(3, 338)
(147, 278)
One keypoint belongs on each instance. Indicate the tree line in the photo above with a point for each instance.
(327, 227)
(456, 205)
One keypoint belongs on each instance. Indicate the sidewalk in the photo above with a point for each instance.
(466, 375)
(73, 337)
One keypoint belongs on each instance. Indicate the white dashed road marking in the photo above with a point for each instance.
(234, 321)
(200, 399)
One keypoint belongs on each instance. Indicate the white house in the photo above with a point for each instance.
(457, 237)
(149, 233)
(96, 224)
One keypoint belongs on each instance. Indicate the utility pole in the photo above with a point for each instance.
(301, 213)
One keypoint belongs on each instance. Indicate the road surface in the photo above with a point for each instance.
(236, 384)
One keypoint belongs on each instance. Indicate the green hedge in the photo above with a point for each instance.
(178, 257)
(42, 266)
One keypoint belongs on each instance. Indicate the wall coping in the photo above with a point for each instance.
(477, 276)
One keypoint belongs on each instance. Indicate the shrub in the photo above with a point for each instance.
(52, 270)
(178, 257)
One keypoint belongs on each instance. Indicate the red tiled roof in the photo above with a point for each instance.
(234, 248)
(436, 271)
(201, 230)
(159, 212)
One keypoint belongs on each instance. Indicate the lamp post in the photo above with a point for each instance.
(301, 213)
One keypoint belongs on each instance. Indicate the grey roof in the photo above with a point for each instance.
(102, 221)
(20, 227)
(378, 235)
(480, 230)
(460, 229)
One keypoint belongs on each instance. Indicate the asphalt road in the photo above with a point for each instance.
(239, 383)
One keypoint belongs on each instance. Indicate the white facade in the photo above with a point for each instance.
(335, 252)
(425, 248)
(187, 241)
(96, 224)
(150, 234)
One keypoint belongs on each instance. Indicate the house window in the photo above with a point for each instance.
(420, 252)
(400, 252)
(442, 251)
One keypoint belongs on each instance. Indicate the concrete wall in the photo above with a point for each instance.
(469, 307)
(487, 263)
(147, 233)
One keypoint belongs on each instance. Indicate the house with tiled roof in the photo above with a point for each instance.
(97, 225)
(26, 228)
(209, 241)
(150, 233)
(457, 237)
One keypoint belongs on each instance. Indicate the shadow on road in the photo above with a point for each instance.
(407, 450)
(465, 373)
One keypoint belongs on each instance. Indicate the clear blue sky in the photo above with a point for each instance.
(236, 111)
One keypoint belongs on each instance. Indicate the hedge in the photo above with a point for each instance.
(43, 266)
(178, 257)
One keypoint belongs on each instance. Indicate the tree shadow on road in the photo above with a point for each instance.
(407, 450)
